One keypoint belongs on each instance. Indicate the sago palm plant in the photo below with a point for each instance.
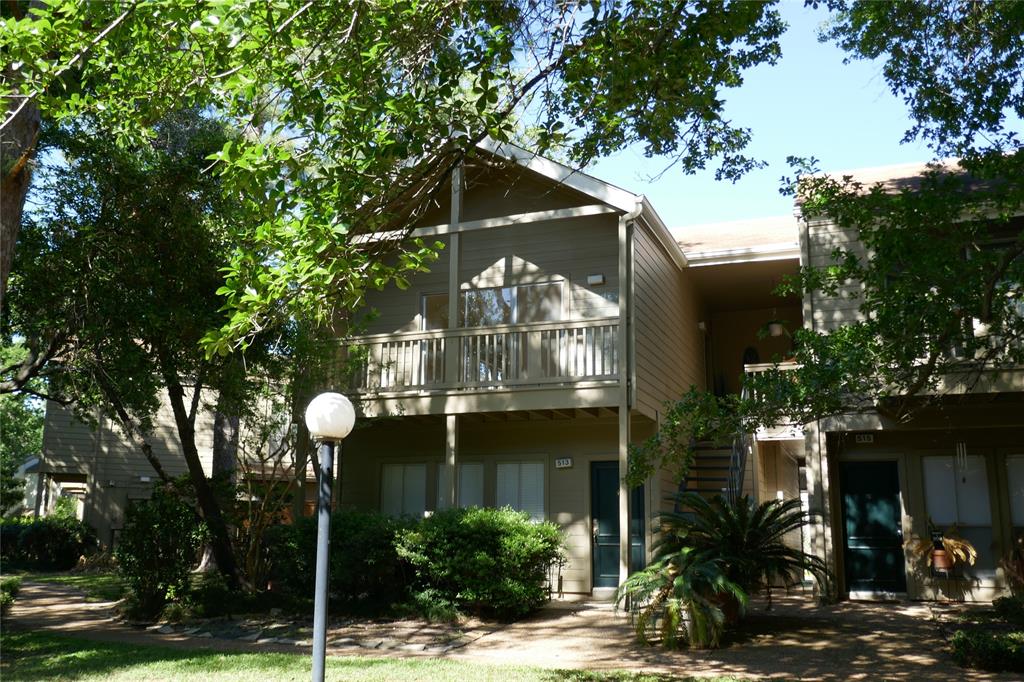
(679, 596)
(749, 539)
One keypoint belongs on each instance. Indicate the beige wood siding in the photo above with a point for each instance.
(832, 311)
(491, 193)
(114, 466)
(669, 348)
(567, 494)
(559, 250)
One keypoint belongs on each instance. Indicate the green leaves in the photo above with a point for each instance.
(354, 114)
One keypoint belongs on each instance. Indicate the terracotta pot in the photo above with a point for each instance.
(941, 560)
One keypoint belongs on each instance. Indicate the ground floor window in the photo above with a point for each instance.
(471, 484)
(520, 485)
(1015, 480)
(956, 494)
(404, 490)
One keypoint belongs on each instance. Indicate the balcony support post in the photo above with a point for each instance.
(452, 346)
(450, 491)
(625, 248)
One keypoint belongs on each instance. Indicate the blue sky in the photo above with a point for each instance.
(809, 104)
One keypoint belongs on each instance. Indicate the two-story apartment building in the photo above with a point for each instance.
(878, 483)
(559, 319)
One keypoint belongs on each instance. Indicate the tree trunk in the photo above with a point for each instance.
(220, 540)
(17, 149)
(225, 445)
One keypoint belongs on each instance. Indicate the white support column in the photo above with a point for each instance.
(451, 454)
(452, 358)
(624, 370)
(818, 494)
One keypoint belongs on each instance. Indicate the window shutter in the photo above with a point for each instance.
(531, 489)
(507, 493)
(1015, 476)
(414, 495)
(391, 490)
(471, 484)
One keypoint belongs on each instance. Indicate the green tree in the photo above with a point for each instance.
(21, 434)
(941, 295)
(119, 269)
(356, 113)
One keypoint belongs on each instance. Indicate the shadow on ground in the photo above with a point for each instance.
(797, 639)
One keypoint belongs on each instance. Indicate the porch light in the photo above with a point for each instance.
(329, 418)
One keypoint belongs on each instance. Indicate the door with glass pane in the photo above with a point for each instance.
(872, 536)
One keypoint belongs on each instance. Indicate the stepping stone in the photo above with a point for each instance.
(251, 637)
(190, 631)
(388, 644)
(344, 641)
(372, 644)
(412, 647)
(205, 635)
(285, 640)
(166, 630)
(268, 640)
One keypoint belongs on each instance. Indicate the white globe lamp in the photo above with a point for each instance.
(330, 417)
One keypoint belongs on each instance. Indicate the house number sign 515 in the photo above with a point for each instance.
(563, 463)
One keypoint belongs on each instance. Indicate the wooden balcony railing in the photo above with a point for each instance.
(786, 430)
(487, 357)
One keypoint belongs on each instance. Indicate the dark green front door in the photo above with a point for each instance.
(873, 542)
(604, 506)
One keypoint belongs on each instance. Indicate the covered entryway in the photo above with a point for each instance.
(873, 556)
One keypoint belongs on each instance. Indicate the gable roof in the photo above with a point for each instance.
(604, 192)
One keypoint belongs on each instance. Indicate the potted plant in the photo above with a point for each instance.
(943, 550)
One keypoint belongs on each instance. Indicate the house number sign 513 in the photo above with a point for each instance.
(563, 463)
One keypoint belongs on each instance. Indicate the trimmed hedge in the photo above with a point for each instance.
(491, 562)
(52, 543)
(366, 575)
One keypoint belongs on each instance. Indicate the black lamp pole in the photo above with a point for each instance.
(323, 545)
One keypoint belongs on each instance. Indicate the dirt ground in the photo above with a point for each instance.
(797, 639)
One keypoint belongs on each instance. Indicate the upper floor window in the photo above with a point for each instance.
(435, 311)
(511, 305)
(495, 306)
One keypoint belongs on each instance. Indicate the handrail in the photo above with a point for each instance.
(487, 357)
(759, 367)
(481, 331)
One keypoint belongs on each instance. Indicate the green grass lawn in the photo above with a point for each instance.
(43, 656)
(98, 586)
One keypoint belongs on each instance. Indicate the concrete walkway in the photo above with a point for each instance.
(796, 640)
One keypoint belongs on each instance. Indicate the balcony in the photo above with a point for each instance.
(784, 431)
(547, 356)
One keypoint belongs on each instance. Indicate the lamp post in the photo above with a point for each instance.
(329, 418)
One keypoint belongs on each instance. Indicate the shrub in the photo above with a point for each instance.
(156, 550)
(11, 529)
(749, 539)
(681, 597)
(8, 591)
(366, 575)
(1010, 609)
(55, 543)
(989, 650)
(492, 562)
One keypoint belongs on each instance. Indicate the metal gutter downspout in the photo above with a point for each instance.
(626, 222)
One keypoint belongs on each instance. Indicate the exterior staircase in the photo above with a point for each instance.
(718, 469)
